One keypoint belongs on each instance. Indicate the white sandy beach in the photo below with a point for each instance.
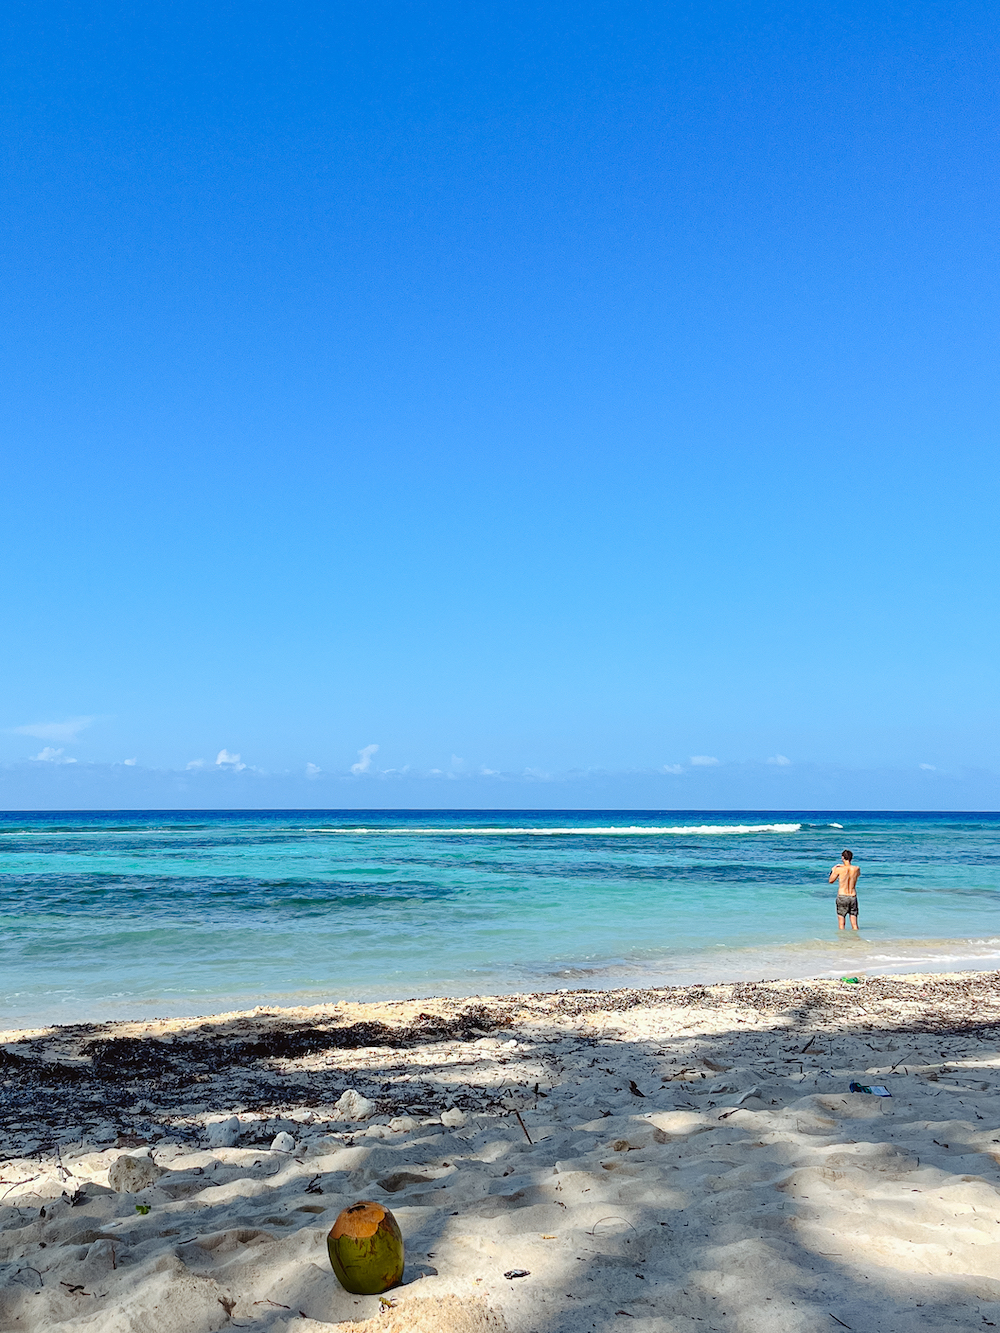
(695, 1161)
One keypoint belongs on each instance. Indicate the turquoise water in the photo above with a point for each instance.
(140, 913)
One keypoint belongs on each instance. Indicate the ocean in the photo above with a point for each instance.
(153, 913)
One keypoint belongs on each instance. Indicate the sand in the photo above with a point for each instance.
(654, 1161)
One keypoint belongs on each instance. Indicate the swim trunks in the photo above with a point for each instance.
(847, 904)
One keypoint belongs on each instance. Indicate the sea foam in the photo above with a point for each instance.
(631, 830)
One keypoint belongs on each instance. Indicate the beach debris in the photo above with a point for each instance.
(352, 1105)
(750, 1092)
(512, 1273)
(49, 1073)
(101, 1251)
(851, 981)
(876, 1090)
(404, 1124)
(453, 1118)
(611, 1217)
(142, 1209)
(283, 1142)
(366, 1249)
(129, 1175)
(224, 1133)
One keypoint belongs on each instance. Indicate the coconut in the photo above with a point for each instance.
(366, 1249)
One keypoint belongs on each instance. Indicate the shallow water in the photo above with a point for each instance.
(128, 914)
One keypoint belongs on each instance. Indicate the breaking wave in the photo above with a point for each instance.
(631, 831)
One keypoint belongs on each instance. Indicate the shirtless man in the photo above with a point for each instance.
(846, 876)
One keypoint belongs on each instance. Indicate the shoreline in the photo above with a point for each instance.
(231, 1006)
(666, 995)
(569, 1133)
(115, 922)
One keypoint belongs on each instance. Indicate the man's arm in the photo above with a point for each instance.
(834, 874)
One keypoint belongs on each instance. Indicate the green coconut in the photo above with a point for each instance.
(366, 1249)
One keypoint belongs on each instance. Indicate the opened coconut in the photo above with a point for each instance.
(366, 1249)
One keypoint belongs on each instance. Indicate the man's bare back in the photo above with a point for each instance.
(846, 876)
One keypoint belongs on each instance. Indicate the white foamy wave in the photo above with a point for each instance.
(633, 830)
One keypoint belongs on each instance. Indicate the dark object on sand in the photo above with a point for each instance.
(876, 1090)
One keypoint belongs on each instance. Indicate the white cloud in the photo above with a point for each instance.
(50, 756)
(489, 772)
(231, 761)
(130, 763)
(929, 768)
(703, 760)
(313, 770)
(195, 763)
(55, 731)
(782, 760)
(672, 768)
(457, 764)
(364, 759)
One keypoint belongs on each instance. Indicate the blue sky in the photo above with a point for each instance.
(546, 395)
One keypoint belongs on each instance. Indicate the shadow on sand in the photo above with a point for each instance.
(655, 1161)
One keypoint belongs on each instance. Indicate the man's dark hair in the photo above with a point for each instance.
(848, 856)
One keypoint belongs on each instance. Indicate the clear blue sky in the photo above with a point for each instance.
(521, 387)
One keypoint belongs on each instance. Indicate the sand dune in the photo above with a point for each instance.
(655, 1161)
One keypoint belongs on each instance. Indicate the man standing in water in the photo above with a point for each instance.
(846, 876)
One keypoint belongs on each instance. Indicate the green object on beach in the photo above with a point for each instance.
(852, 981)
(876, 1090)
(366, 1249)
(142, 1208)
